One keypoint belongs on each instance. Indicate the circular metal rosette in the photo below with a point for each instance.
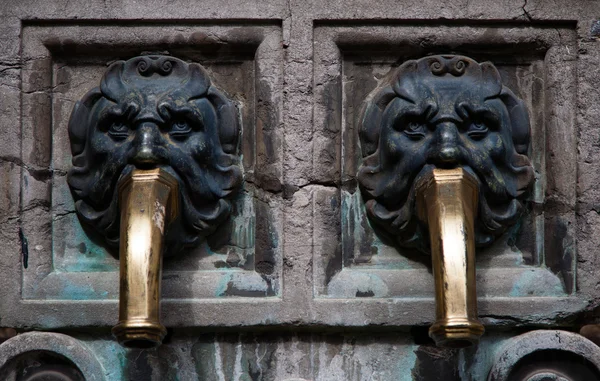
(43, 356)
(547, 356)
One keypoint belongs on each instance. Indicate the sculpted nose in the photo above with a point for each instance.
(148, 146)
(447, 152)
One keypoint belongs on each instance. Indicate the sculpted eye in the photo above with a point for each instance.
(477, 130)
(180, 128)
(415, 129)
(118, 130)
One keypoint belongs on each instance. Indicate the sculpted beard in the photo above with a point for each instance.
(445, 112)
(148, 112)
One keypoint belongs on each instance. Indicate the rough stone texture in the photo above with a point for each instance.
(298, 69)
(274, 357)
(297, 356)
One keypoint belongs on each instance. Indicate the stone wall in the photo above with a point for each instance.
(298, 286)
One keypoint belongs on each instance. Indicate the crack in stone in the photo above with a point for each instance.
(40, 174)
(58, 216)
(525, 13)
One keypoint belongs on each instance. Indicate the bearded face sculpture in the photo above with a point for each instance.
(443, 112)
(149, 112)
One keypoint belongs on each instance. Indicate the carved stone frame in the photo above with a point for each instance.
(48, 297)
(388, 293)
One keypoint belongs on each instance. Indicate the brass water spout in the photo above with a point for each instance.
(447, 201)
(148, 111)
(148, 200)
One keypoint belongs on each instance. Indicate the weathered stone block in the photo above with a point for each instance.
(535, 258)
(65, 260)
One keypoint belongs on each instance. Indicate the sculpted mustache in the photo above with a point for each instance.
(497, 179)
(401, 215)
(200, 219)
(494, 216)
(97, 194)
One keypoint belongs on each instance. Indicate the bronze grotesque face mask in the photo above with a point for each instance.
(155, 111)
(443, 112)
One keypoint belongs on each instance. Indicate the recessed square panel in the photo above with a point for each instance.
(527, 261)
(65, 260)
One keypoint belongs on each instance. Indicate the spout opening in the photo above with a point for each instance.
(140, 344)
(139, 334)
(456, 333)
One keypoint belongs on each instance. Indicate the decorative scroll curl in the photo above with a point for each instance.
(155, 111)
(443, 111)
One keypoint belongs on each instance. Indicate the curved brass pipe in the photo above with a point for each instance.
(447, 200)
(148, 200)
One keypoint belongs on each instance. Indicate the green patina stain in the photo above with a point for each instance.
(107, 351)
(537, 282)
(407, 359)
(475, 363)
(353, 221)
(222, 286)
(360, 243)
(243, 230)
(77, 292)
(72, 291)
(80, 253)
